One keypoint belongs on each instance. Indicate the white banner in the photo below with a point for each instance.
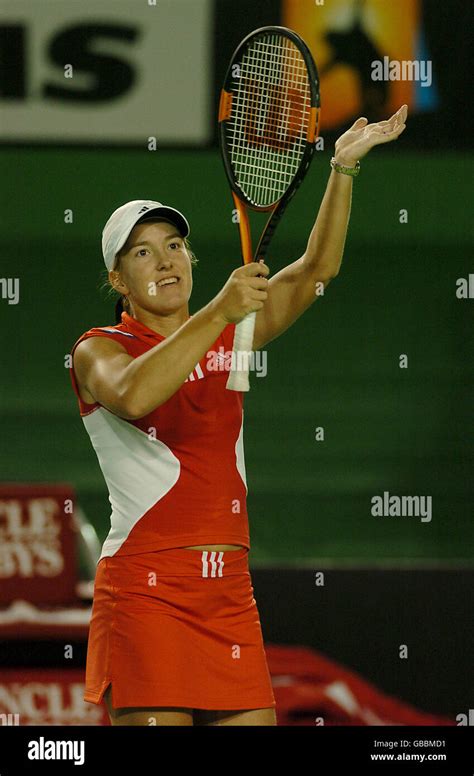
(118, 71)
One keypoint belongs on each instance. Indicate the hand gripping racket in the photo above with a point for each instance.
(268, 124)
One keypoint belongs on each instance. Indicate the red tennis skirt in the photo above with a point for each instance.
(177, 628)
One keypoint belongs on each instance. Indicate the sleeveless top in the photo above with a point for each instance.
(176, 477)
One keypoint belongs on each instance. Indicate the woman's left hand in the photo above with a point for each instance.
(361, 137)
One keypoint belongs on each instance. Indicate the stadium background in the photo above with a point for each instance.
(406, 431)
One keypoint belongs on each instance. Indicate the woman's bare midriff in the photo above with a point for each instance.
(213, 547)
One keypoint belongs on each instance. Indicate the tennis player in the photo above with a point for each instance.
(175, 635)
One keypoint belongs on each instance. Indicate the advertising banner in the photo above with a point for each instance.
(371, 56)
(108, 71)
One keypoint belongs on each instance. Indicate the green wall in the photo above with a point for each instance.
(407, 431)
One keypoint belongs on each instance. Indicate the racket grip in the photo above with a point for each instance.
(238, 379)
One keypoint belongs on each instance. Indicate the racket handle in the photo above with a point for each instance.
(238, 379)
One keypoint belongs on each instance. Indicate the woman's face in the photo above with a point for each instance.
(155, 268)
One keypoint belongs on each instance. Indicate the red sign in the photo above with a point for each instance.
(47, 697)
(37, 544)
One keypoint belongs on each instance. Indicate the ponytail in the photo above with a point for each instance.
(119, 308)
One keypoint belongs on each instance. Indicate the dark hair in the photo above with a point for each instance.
(122, 303)
(119, 308)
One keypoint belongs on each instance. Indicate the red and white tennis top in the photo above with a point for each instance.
(176, 477)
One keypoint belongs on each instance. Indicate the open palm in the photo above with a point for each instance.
(361, 137)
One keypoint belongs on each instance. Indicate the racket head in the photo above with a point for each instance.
(269, 116)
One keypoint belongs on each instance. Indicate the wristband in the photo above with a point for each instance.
(352, 171)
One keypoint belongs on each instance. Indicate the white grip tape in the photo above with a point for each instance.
(238, 379)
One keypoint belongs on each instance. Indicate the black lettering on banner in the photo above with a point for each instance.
(112, 76)
(12, 61)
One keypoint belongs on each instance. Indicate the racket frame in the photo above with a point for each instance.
(238, 379)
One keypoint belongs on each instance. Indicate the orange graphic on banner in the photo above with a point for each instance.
(345, 38)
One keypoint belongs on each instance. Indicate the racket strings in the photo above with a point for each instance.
(266, 64)
(268, 125)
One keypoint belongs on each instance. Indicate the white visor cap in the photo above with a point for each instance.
(122, 221)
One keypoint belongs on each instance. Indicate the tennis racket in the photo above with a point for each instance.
(268, 124)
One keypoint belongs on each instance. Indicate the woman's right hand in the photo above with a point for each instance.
(245, 292)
